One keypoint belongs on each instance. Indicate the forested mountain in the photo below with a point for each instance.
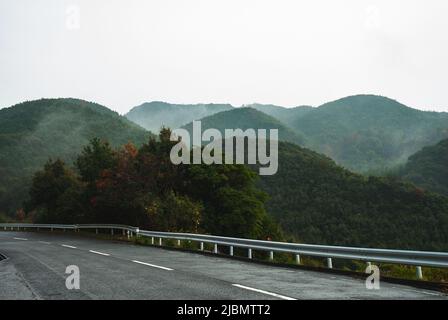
(319, 202)
(247, 118)
(31, 132)
(154, 115)
(311, 197)
(366, 132)
(428, 168)
(288, 116)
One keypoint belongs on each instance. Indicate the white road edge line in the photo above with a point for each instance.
(152, 265)
(67, 246)
(21, 239)
(44, 242)
(425, 292)
(262, 291)
(100, 253)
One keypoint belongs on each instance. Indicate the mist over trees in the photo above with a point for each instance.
(154, 115)
(367, 133)
(34, 131)
(312, 198)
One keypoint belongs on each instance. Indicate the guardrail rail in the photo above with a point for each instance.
(369, 255)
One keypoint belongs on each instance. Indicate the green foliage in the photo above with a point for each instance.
(368, 132)
(318, 202)
(428, 168)
(94, 159)
(288, 116)
(34, 131)
(247, 118)
(176, 213)
(3, 218)
(233, 206)
(54, 193)
(142, 187)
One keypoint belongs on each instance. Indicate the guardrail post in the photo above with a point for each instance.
(96, 231)
(112, 232)
(419, 273)
(129, 234)
(160, 241)
(178, 243)
(231, 250)
(122, 232)
(249, 253)
(215, 248)
(202, 246)
(298, 258)
(329, 263)
(152, 240)
(271, 255)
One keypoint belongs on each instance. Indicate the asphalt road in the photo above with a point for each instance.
(36, 264)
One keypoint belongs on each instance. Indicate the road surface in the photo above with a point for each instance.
(36, 264)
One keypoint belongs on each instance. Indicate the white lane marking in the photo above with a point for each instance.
(21, 239)
(265, 292)
(425, 292)
(152, 265)
(101, 253)
(44, 242)
(67, 246)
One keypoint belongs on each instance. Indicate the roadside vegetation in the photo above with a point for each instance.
(141, 187)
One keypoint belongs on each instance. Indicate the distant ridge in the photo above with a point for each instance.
(247, 118)
(153, 115)
(367, 133)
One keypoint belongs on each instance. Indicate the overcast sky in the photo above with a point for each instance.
(121, 53)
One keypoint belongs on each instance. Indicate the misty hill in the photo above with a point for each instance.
(288, 116)
(319, 202)
(428, 168)
(367, 132)
(33, 131)
(247, 118)
(154, 115)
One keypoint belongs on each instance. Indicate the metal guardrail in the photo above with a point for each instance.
(369, 255)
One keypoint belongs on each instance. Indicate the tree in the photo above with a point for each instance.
(94, 159)
(54, 194)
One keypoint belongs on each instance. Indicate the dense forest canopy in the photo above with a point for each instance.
(81, 177)
(247, 118)
(319, 202)
(367, 133)
(428, 168)
(288, 116)
(141, 187)
(32, 132)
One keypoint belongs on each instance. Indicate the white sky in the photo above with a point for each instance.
(121, 53)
